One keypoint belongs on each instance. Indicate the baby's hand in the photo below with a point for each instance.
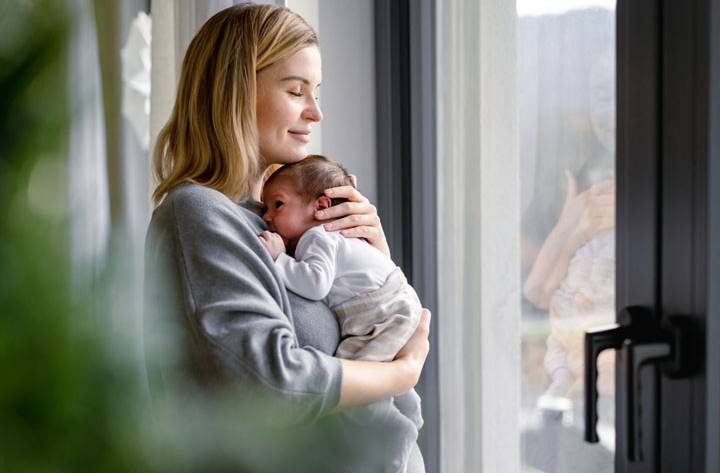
(273, 242)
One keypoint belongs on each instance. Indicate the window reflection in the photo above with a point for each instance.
(566, 105)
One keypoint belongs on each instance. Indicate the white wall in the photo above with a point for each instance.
(347, 39)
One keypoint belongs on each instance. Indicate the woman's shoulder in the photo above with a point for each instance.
(196, 205)
(196, 198)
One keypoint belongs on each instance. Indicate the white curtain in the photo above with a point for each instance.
(108, 175)
(478, 237)
(89, 197)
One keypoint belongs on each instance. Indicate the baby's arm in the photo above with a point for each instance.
(312, 272)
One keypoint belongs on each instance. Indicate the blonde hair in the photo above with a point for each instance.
(313, 175)
(211, 136)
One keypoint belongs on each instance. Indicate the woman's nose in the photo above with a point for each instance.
(313, 112)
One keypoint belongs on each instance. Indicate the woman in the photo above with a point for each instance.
(246, 101)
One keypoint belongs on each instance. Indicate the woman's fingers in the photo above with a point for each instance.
(364, 231)
(346, 192)
(604, 189)
(374, 235)
(357, 214)
(571, 188)
(352, 221)
(354, 209)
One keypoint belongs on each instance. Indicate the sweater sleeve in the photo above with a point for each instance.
(237, 308)
(312, 272)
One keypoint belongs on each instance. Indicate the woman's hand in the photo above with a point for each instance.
(588, 214)
(369, 381)
(416, 350)
(584, 216)
(357, 218)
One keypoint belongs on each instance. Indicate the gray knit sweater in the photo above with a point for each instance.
(210, 280)
(206, 267)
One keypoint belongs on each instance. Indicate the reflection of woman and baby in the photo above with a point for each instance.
(568, 230)
(572, 274)
(246, 101)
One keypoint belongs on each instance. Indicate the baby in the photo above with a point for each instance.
(377, 310)
(585, 299)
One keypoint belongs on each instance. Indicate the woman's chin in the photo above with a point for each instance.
(292, 158)
(285, 156)
(299, 155)
(298, 152)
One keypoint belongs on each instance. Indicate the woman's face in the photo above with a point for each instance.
(287, 106)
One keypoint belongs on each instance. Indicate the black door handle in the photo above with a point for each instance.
(643, 341)
(597, 341)
(636, 355)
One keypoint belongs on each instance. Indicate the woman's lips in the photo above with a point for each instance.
(303, 136)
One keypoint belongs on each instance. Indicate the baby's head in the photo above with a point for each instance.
(293, 194)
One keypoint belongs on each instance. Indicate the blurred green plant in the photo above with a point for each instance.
(70, 400)
(55, 410)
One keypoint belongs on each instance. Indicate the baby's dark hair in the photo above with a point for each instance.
(313, 175)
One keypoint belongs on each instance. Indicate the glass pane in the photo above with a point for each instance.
(566, 126)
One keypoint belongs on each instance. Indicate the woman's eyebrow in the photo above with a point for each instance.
(300, 78)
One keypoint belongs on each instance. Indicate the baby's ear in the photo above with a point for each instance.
(323, 202)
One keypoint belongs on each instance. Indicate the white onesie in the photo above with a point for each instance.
(329, 266)
(377, 309)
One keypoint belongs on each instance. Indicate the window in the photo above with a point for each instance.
(526, 127)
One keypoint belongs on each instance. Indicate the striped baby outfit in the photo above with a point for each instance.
(376, 325)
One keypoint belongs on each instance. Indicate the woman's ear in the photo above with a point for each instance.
(323, 202)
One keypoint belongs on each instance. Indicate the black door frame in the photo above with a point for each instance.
(713, 180)
(667, 222)
(638, 191)
(407, 200)
(683, 271)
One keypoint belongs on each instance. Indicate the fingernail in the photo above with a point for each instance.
(329, 192)
(321, 214)
(329, 227)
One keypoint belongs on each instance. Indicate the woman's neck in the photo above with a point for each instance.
(256, 189)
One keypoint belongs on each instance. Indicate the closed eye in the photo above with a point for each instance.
(300, 94)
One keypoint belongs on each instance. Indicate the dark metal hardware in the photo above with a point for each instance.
(597, 341)
(642, 341)
(636, 355)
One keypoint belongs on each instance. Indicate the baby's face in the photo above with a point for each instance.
(288, 213)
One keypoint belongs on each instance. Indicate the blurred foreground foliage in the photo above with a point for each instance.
(69, 400)
(56, 390)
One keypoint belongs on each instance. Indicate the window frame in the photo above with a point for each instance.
(407, 162)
